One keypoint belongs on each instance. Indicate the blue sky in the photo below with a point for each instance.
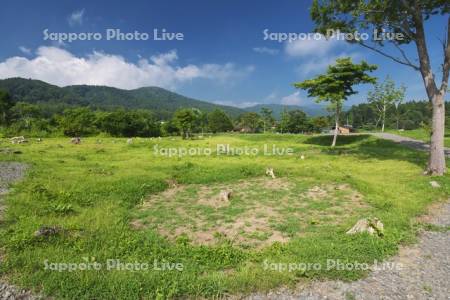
(223, 57)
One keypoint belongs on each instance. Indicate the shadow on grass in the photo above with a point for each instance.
(342, 140)
(365, 146)
(389, 150)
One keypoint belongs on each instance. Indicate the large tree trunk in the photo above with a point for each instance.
(384, 117)
(436, 163)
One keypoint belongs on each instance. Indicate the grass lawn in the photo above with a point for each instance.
(122, 201)
(419, 134)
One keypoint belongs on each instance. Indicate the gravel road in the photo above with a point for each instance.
(409, 142)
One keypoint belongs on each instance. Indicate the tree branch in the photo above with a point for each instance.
(404, 28)
(406, 63)
(421, 43)
(408, 6)
(446, 65)
(405, 57)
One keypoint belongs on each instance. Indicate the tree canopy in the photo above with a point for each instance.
(383, 96)
(336, 85)
(219, 121)
(185, 120)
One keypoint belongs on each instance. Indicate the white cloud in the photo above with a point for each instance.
(317, 54)
(60, 67)
(265, 50)
(272, 96)
(76, 18)
(25, 50)
(312, 47)
(240, 104)
(292, 99)
(319, 64)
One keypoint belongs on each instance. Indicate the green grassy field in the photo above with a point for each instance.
(124, 202)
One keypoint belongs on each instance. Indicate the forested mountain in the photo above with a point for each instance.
(162, 102)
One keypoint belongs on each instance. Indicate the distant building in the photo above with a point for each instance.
(345, 129)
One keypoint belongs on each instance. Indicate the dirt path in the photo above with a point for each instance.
(10, 172)
(409, 142)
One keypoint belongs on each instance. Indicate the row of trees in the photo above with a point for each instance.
(30, 119)
(23, 118)
(190, 121)
(408, 115)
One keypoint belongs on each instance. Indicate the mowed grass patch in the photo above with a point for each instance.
(95, 191)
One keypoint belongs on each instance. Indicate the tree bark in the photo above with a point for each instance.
(397, 117)
(436, 163)
(384, 117)
(378, 121)
(336, 128)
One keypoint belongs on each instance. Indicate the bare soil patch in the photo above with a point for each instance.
(259, 212)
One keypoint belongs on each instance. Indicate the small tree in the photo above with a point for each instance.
(185, 119)
(77, 121)
(113, 123)
(267, 118)
(26, 113)
(219, 121)
(319, 123)
(296, 121)
(169, 128)
(383, 96)
(336, 85)
(250, 120)
(397, 103)
(201, 120)
(284, 120)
